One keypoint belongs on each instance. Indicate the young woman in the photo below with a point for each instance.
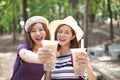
(68, 33)
(25, 67)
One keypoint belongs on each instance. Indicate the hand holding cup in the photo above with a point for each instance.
(49, 63)
(44, 54)
(78, 56)
(83, 60)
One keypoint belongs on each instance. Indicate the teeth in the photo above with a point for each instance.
(39, 38)
(62, 40)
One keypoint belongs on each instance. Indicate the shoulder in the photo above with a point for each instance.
(22, 46)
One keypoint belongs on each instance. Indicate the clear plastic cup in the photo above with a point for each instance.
(50, 44)
(78, 52)
(50, 63)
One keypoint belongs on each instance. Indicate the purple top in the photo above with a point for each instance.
(27, 71)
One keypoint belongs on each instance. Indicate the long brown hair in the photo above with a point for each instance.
(73, 43)
(29, 40)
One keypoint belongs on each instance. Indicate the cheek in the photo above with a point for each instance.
(69, 37)
(57, 36)
(32, 36)
(44, 33)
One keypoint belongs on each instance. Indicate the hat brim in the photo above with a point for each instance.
(35, 19)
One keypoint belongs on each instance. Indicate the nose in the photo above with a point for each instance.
(62, 34)
(38, 33)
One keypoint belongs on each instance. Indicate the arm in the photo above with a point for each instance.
(91, 73)
(84, 61)
(29, 56)
(47, 75)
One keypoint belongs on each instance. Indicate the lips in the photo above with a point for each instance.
(39, 39)
(62, 40)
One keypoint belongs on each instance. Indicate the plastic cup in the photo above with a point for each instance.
(78, 52)
(50, 63)
(50, 44)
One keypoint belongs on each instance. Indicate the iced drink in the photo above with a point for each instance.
(76, 53)
(50, 63)
(50, 44)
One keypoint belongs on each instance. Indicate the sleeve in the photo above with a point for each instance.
(29, 56)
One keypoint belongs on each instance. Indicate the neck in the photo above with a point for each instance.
(65, 49)
(36, 47)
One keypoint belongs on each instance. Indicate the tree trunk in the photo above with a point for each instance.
(1, 29)
(85, 29)
(59, 9)
(24, 10)
(14, 24)
(24, 2)
(14, 29)
(74, 6)
(111, 25)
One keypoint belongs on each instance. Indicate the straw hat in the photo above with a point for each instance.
(68, 21)
(35, 19)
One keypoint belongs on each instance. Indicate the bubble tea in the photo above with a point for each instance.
(50, 63)
(76, 53)
(78, 69)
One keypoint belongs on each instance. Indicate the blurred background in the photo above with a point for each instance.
(99, 19)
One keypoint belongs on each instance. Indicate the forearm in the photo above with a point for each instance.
(91, 73)
(47, 75)
(29, 56)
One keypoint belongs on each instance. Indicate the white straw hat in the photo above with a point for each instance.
(35, 19)
(68, 21)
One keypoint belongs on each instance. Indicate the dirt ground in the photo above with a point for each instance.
(8, 49)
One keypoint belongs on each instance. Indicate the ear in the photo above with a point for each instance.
(73, 37)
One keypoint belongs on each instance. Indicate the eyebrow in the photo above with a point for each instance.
(38, 27)
(64, 30)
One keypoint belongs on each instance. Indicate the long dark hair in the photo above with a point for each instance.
(29, 40)
(73, 43)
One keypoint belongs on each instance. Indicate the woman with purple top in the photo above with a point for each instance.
(36, 31)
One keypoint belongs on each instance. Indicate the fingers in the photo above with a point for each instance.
(82, 59)
(58, 53)
(44, 51)
(45, 54)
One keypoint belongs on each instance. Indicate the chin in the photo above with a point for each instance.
(62, 44)
(38, 42)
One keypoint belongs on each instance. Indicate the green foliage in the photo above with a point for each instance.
(51, 9)
(9, 10)
(54, 9)
(5, 14)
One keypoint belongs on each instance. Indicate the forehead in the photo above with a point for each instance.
(36, 25)
(65, 27)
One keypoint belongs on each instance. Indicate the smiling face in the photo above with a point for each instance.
(37, 33)
(64, 35)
